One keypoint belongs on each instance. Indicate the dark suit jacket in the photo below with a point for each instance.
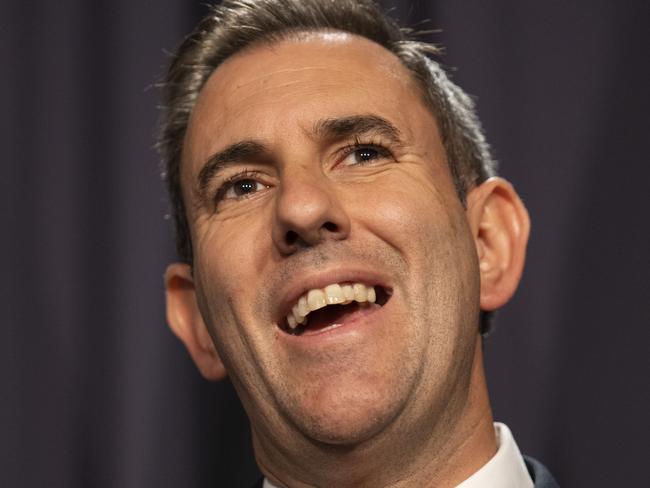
(538, 472)
(541, 476)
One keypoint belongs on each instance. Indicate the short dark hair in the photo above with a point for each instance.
(238, 24)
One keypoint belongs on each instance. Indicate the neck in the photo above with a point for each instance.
(443, 453)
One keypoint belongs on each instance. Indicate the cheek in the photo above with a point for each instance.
(228, 261)
(426, 224)
(227, 250)
(413, 214)
(226, 267)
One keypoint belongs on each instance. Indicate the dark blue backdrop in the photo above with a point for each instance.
(96, 391)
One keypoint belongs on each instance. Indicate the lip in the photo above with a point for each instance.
(301, 283)
(354, 331)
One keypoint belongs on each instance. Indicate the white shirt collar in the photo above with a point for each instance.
(506, 469)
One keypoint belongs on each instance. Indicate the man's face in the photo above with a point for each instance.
(314, 162)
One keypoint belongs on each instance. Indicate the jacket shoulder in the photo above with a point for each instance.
(542, 477)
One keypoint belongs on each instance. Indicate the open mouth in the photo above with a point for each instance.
(333, 306)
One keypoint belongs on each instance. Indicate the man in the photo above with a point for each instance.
(342, 239)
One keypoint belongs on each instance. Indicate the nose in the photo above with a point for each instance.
(308, 212)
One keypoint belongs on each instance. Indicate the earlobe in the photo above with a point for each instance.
(500, 225)
(186, 322)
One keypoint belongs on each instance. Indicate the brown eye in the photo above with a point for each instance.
(240, 188)
(243, 187)
(366, 154)
(363, 154)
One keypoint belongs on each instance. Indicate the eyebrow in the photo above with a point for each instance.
(342, 127)
(325, 129)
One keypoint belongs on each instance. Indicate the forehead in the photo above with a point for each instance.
(269, 91)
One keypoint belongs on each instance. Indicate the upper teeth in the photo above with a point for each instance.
(333, 294)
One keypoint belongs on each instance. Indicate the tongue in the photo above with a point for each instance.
(334, 314)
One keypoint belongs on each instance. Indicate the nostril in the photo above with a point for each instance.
(330, 226)
(291, 237)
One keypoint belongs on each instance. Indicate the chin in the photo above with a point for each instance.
(346, 420)
(347, 431)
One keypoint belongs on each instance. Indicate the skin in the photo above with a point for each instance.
(399, 398)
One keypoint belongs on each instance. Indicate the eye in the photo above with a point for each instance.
(243, 187)
(238, 187)
(360, 154)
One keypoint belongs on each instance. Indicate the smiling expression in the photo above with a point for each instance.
(310, 163)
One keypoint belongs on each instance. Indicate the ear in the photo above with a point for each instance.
(500, 225)
(185, 320)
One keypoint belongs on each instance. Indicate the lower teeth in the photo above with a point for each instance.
(300, 328)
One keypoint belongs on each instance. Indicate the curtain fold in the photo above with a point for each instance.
(97, 391)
